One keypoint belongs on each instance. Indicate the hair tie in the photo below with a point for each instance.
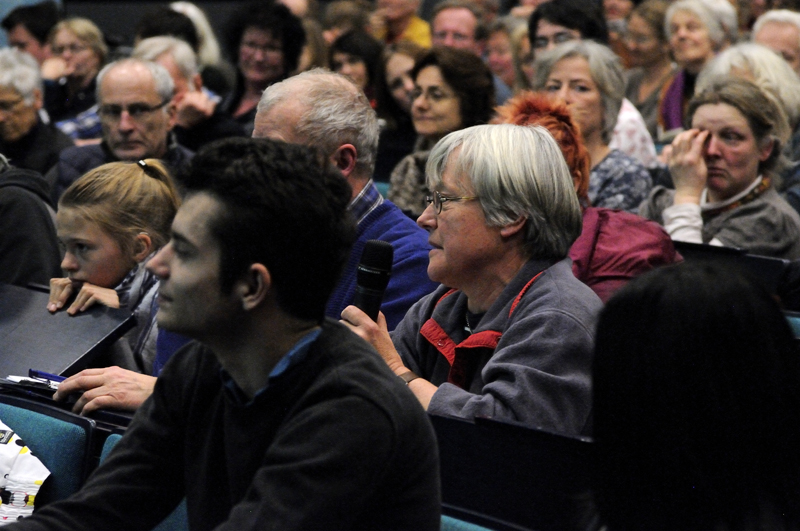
(148, 170)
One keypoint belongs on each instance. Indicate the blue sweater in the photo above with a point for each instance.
(409, 281)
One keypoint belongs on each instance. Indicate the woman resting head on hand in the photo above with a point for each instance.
(109, 222)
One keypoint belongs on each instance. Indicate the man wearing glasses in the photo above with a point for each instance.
(509, 333)
(137, 117)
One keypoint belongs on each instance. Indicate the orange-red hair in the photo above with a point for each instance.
(530, 108)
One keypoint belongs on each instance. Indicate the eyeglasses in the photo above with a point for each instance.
(439, 200)
(541, 43)
(72, 48)
(8, 106)
(434, 94)
(270, 48)
(136, 111)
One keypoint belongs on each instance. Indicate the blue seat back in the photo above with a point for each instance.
(62, 446)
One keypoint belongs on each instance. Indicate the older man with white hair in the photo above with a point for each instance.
(779, 30)
(24, 139)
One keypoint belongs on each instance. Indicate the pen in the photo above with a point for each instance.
(41, 375)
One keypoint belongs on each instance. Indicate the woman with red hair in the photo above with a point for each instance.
(614, 246)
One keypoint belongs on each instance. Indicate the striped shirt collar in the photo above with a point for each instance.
(365, 202)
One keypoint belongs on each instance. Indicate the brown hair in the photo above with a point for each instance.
(654, 13)
(125, 199)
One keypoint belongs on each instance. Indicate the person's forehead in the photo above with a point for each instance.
(132, 82)
(547, 28)
(455, 16)
(193, 220)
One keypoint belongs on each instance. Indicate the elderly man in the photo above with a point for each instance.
(509, 334)
(779, 30)
(199, 118)
(137, 116)
(275, 417)
(328, 112)
(24, 139)
(459, 24)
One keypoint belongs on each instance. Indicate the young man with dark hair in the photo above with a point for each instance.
(275, 418)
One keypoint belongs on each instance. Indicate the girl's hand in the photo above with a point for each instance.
(62, 288)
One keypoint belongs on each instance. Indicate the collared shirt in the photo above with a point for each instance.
(295, 356)
(365, 202)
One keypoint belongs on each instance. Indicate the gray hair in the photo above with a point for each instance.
(782, 16)
(20, 71)
(605, 67)
(708, 16)
(209, 52)
(767, 69)
(185, 59)
(165, 88)
(516, 171)
(336, 113)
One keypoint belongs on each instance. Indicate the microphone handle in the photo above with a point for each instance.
(368, 301)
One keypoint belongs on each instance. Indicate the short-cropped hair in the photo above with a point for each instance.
(165, 87)
(336, 112)
(605, 67)
(696, 405)
(283, 206)
(38, 19)
(782, 16)
(516, 171)
(20, 72)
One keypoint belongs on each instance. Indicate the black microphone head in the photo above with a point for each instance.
(376, 265)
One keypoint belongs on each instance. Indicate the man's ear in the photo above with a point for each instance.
(507, 231)
(38, 100)
(345, 158)
(142, 246)
(254, 286)
(197, 82)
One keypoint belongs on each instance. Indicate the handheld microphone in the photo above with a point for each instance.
(372, 276)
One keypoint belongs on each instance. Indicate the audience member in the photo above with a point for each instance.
(695, 35)
(326, 111)
(500, 54)
(652, 68)
(28, 28)
(696, 407)
(79, 43)
(397, 20)
(29, 250)
(268, 39)
(110, 222)
(458, 24)
(198, 117)
(723, 169)
(25, 139)
(166, 22)
(508, 335)
(614, 246)
(137, 117)
(356, 55)
(770, 72)
(557, 22)
(588, 77)
(779, 30)
(291, 416)
(393, 88)
(452, 90)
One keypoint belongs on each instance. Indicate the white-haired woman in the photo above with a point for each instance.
(509, 333)
(588, 77)
(696, 32)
